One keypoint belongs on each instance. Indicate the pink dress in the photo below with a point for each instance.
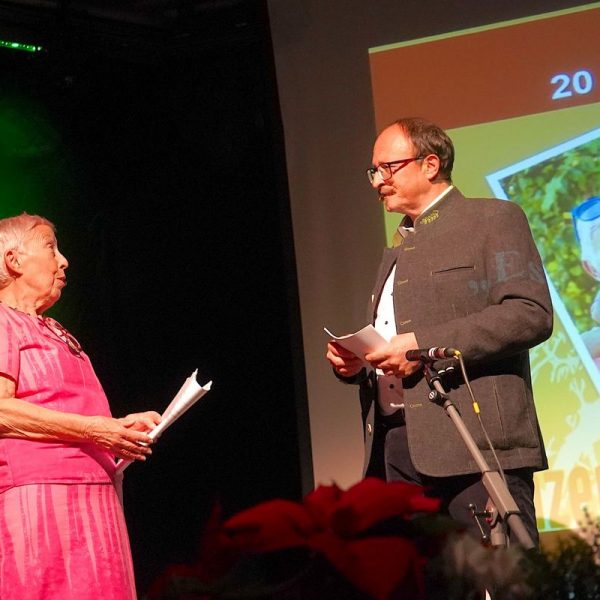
(62, 529)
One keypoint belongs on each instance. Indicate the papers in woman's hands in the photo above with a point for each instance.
(185, 398)
(189, 393)
(360, 343)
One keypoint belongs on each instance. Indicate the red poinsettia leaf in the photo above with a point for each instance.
(272, 525)
(379, 566)
(321, 503)
(419, 503)
(373, 500)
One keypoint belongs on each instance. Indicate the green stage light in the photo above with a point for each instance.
(20, 46)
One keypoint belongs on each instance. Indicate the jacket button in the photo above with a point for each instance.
(369, 429)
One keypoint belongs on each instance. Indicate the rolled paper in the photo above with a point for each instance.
(189, 393)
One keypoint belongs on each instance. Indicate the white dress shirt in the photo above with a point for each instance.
(390, 391)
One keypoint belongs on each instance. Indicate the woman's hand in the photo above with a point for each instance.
(121, 440)
(126, 438)
(144, 421)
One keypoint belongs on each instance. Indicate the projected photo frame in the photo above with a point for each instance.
(559, 190)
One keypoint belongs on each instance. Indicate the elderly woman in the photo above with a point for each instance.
(62, 530)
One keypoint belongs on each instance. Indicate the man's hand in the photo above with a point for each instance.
(343, 361)
(391, 359)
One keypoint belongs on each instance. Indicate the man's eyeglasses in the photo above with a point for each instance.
(60, 332)
(385, 169)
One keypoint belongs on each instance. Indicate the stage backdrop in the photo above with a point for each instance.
(162, 173)
(517, 88)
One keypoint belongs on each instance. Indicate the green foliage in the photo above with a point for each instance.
(570, 571)
(547, 192)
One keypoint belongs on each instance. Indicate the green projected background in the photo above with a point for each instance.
(35, 172)
(29, 156)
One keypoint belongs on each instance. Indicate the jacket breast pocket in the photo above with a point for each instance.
(455, 270)
(453, 287)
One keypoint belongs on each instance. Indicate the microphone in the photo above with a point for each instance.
(431, 354)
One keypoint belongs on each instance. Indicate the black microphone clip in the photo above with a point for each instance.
(429, 355)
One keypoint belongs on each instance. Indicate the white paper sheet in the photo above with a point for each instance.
(361, 342)
(189, 393)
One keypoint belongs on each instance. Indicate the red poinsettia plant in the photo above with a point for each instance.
(339, 525)
(371, 535)
(374, 541)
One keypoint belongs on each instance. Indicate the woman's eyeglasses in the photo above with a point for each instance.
(61, 333)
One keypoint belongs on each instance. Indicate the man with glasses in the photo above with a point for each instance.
(462, 273)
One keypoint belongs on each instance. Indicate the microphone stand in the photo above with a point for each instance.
(501, 508)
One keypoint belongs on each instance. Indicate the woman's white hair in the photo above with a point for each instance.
(13, 233)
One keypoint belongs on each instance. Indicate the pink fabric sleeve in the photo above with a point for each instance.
(9, 348)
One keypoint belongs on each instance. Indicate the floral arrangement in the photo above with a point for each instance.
(374, 541)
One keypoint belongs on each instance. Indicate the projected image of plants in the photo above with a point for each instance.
(547, 192)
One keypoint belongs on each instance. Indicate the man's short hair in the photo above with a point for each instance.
(429, 138)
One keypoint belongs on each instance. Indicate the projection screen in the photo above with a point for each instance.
(517, 89)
